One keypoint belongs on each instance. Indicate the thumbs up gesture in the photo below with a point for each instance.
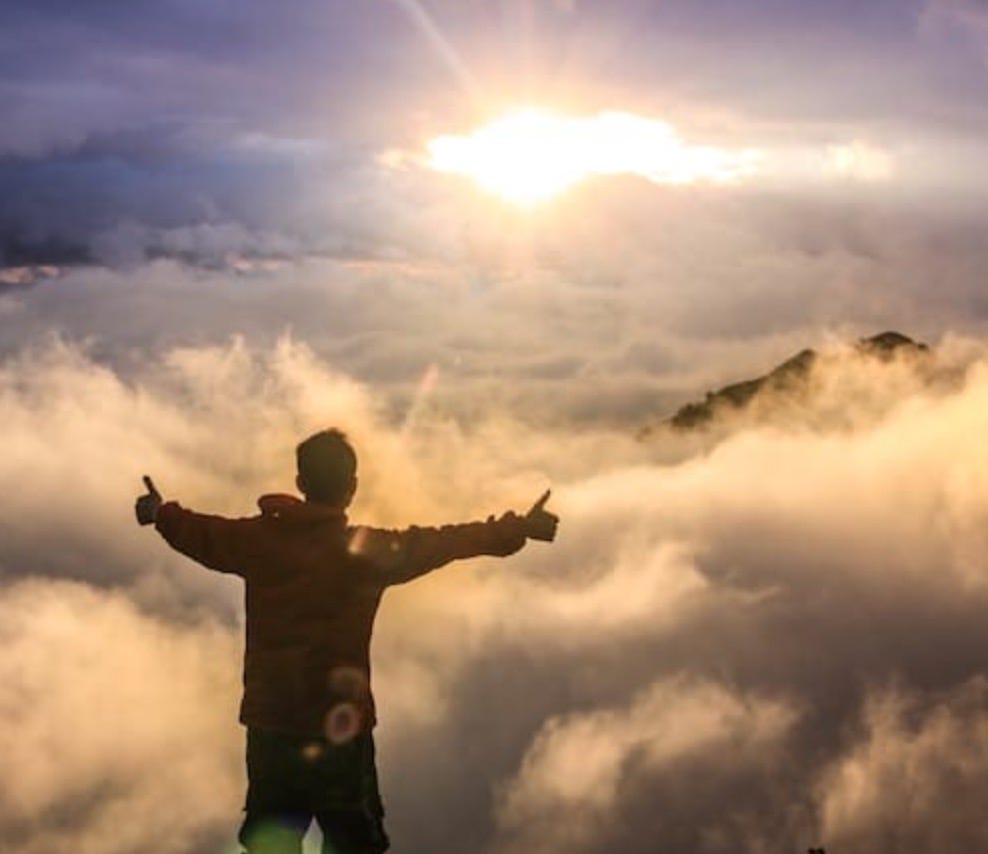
(540, 524)
(146, 506)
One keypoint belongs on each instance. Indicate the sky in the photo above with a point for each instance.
(493, 240)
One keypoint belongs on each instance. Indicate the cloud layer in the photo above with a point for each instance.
(770, 644)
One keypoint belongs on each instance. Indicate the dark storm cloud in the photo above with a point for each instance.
(89, 201)
(165, 115)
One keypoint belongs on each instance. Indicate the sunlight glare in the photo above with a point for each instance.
(532, 155)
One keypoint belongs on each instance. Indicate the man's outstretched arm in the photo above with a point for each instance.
(213, 541)
(401, 556)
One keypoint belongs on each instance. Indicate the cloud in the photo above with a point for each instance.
(114, 725)
(249, 134)
(859, 160)
(624, 301)
(968, 14)
(25, 276)
(712, 635)
(237, 67)
(915, 777)
(576, 772)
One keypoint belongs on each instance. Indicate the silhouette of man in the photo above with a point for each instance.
(312, 588)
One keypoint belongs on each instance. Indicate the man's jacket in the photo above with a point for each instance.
(312, 587)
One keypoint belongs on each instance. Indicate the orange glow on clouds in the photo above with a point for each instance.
(532, 155)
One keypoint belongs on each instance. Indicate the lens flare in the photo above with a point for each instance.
(423, 391)
(349, 691)
(313, 752)
(342, 723)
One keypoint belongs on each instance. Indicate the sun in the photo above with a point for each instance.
(523, 157)
(533, 155)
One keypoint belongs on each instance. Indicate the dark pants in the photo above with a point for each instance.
(293, 779)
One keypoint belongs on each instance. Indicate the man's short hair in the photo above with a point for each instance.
(327, 466)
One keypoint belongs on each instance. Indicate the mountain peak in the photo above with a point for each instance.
(788, 376)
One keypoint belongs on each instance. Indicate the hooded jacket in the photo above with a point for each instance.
(313, 585)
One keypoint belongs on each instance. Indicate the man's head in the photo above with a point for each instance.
(327, 468)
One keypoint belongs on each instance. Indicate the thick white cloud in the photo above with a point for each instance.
(114, 725)
(574, 774)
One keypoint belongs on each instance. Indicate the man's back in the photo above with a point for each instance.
(312, 588)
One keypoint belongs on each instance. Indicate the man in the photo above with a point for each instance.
(312, 587)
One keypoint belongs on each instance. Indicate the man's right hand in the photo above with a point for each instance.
(540, 524)
(146, 506)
